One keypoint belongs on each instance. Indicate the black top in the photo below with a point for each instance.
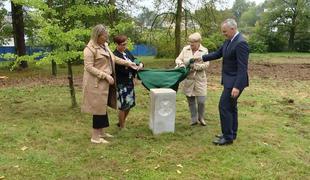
(124, 74)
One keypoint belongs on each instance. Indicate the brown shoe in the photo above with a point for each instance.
(100, 141)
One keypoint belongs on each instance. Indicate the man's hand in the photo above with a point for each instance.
(197, 59)
(235, 92)
(110, 79)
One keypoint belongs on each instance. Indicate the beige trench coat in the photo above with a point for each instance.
(97, 93)
(195, 84)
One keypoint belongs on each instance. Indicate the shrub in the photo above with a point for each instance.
(165, 48)
(257, 45)
(209, 44)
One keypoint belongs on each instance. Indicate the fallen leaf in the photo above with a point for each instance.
(126, 170)
(16, 166)
(2, 177)
(180, 165)
(24, 148)
(156, 167)
(262, 164)
(179, 172)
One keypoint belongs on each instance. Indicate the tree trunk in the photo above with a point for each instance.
(18, 32)
(291, 44)
(291, 39)
(54, 68)
(178, 28)
(49, 16)
(186, 21)
(70, 78)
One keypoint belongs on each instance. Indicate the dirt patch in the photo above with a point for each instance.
(36, 81)
(298, 72)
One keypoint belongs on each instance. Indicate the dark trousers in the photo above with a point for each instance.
(229, 114)
(100, 121)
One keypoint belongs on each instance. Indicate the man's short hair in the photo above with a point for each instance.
(230, 23)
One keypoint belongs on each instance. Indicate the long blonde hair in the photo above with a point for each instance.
(97, 31)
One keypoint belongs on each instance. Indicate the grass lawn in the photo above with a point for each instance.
(42, 137)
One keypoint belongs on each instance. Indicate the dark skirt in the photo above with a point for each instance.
(100, 121)
(125, 95)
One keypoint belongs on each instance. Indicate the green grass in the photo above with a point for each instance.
(283, 57)
(273, 142)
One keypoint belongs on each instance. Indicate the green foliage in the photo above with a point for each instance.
(213, 42)
(164, 44)
(165, 48)
(209, 18)
(206, 42)
(257, 45)
(62, 29)
(5, 27)
(217, 38)
(282, 21)
(239, 7)
(130, 45)
(249, 17)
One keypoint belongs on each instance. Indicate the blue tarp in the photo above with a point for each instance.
(143, 50)
(139, 50)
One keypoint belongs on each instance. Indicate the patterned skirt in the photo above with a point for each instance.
(125, 96)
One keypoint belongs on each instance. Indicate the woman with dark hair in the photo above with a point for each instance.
(124, 79)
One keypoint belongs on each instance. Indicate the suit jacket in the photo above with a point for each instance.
(124, 74)
(235, 62)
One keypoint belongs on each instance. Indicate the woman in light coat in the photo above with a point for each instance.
(99, 88)
(195, 84)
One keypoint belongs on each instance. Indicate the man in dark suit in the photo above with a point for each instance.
(235, 53)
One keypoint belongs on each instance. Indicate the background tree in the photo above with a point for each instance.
(65, 26)
(18, 31)
(239, 7)
(5, 26)
(286, 18)
(177, 32)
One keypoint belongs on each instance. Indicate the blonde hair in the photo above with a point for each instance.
(195, 37)
(97, 31)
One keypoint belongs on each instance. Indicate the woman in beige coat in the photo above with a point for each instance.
(99, 89)
(195, 84)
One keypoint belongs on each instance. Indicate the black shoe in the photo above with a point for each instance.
(221, 136)
(222, 142)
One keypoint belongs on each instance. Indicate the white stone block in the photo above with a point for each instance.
(162, 111)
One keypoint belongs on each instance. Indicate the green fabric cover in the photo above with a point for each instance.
(163, 78)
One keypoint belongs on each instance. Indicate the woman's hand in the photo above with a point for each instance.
(133, 66)
(110, 79)
(140, 67)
